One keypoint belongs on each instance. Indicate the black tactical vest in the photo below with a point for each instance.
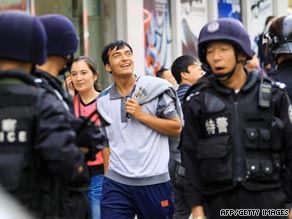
(20, 100)
(241, 139)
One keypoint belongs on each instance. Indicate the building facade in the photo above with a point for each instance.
(158, 30)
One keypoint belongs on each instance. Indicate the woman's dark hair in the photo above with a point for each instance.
(92, 66)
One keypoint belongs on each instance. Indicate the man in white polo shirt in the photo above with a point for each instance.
(144, 114)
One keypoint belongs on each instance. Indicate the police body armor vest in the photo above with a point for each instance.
(241, 143)
(20, 100)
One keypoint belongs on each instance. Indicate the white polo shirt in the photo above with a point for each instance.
(139, 154)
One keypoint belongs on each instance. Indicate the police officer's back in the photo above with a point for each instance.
(237, 136)
(37, 143)
(62, 44)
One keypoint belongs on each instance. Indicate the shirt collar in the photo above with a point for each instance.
(114, 94)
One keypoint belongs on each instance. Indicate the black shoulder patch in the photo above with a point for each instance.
(195, 89)
(280, 85)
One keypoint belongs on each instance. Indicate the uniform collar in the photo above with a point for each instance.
(250, 82)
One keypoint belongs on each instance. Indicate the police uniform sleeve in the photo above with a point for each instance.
(55, 141)
(190, 139)
(283, 110)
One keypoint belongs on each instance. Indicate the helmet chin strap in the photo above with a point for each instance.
(228, 75)
(67, 66)
(33, 68)
(62, 72)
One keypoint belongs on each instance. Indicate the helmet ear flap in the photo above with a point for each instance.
(241, 57)
(206, 67)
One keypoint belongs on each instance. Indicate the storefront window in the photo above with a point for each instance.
(88, 18)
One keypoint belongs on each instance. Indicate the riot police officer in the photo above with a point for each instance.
(37, 143)
(62, 44)
(277, 40)
(237, 142)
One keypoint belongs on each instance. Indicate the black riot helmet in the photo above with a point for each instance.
(22, 37)
(277, 37)
(62, 37)
(224, 29)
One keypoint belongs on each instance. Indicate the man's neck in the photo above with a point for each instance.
(125, 85)
(237, 80)
(53, 65)
(11, 64)
(88, 96)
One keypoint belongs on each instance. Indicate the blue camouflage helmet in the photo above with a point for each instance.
(224, 29)
(22, 37)
(277, 37)
(61, 33)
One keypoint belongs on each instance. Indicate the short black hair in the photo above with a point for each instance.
(181, 64)
(118, 44)
(160, 72)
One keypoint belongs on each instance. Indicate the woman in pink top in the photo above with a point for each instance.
(84, 79)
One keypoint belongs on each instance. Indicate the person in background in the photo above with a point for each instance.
(267, 63)
(144, 114)
(254, 64)
(84, 79)
(166, 74)
(236, 142)
(39, 157)
(277, 40)
(278, 46)
(186, 72)
(62, 44)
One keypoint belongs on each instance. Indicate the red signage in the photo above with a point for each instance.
(13, 4)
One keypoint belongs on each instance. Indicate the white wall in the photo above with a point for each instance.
(130, 27)
(281, 7)
(176, 27)
(130, 24)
